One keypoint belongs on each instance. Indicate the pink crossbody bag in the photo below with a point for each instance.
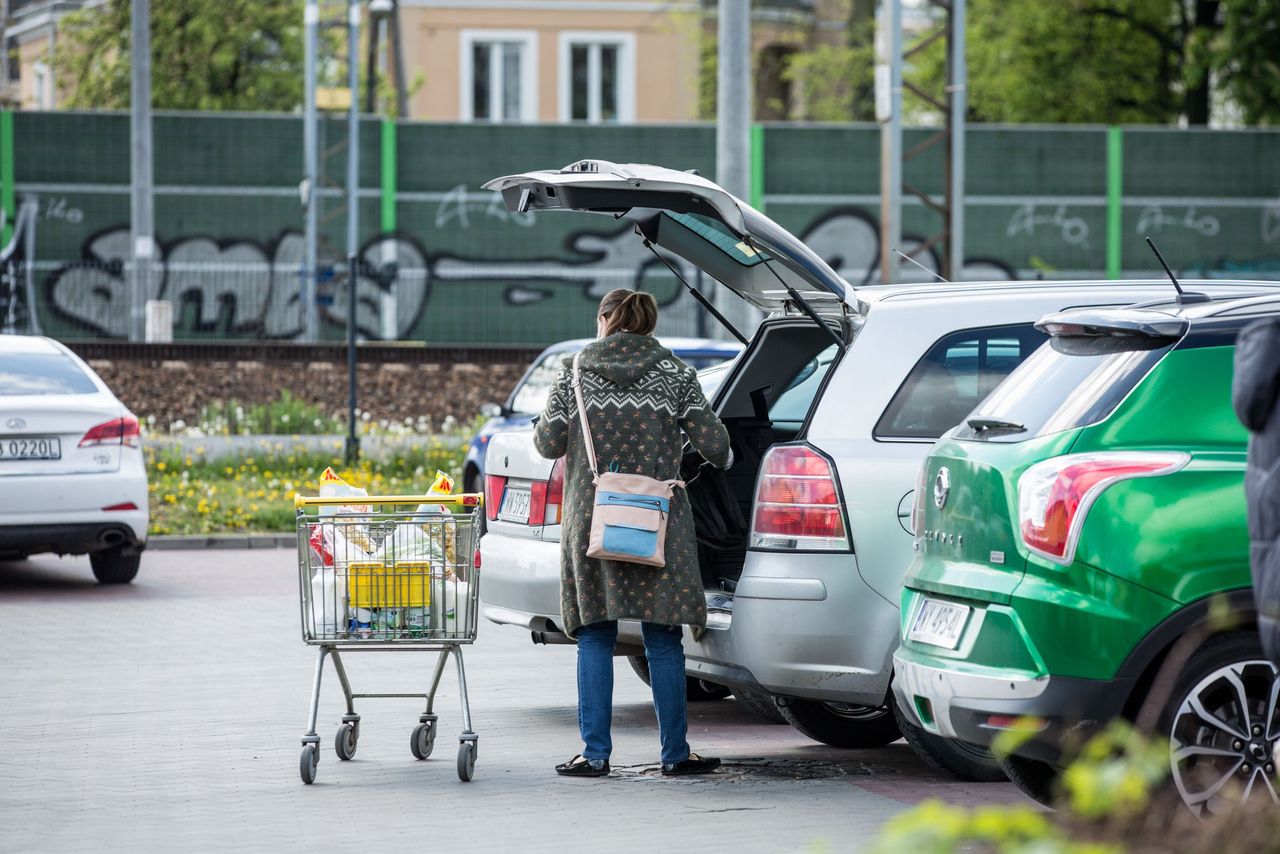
(629, 520)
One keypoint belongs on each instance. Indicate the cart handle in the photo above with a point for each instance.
(468, 499)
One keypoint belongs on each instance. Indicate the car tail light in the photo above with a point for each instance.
(493, 486)
(797, 503)
(117, 431)
(546, 496)
(1054, 496)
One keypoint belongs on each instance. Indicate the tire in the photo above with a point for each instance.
(307, 763)
(466, 761)
(344, 743)
(640, 665)
(761, 703)
(696, 690)
(950, 756)
(1215, 761)
(113, 566)
(1036, 780)
(422, 741)
(842, 725)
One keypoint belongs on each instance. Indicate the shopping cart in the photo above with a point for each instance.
(383, 573)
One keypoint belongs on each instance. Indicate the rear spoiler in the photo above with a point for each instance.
(1113, 323)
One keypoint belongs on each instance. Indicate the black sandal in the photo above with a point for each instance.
(580, 766)
(694, 764)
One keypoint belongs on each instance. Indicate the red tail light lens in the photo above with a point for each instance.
(797, 502)
(547, 496)
(117, 431)
(493, 486)
(1054, 496)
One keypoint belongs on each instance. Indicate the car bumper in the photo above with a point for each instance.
(63, 513)
(994, 681)
(977, 707)
(800, 625)
(521, 583)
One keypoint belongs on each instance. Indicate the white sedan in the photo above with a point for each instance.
(72, 476)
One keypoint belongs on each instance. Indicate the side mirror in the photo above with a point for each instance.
(490, 410)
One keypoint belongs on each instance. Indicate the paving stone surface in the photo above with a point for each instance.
(165, 716)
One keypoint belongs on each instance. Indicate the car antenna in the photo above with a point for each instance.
(1184, 297)
(918, 264)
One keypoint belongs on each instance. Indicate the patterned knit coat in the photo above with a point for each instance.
(639, 398)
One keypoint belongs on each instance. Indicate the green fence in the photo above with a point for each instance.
(447, 264)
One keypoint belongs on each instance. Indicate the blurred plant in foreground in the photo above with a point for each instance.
(1112, 798)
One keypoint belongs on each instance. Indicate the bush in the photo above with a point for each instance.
(1114, 799)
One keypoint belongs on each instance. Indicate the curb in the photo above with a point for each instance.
(222, 541)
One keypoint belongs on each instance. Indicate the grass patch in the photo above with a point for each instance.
(254, 494)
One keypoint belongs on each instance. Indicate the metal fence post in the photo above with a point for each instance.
(1115, 198)
(142, 214)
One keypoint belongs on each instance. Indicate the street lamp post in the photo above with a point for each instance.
(353, 221)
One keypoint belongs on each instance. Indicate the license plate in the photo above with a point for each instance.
(939, 623)
(31, 448)
(515, 505)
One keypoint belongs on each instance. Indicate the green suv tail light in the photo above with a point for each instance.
(798, 504)
(1054, 496)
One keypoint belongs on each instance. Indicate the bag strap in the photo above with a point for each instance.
(586, 428)
(582, 415)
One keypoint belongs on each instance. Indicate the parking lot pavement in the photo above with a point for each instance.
(166, 715)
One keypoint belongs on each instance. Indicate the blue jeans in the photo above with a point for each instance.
(663, 649)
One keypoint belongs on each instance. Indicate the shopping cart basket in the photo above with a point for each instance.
(384, 573)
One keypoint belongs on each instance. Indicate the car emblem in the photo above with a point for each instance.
(15, 423)
(941, 487)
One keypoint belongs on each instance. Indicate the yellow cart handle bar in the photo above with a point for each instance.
(467, 499)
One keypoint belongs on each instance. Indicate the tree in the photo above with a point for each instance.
(1241, 54)
(1085, 61)
(205, 55)
(836, 80)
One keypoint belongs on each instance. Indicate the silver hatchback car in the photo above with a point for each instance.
(831, 409)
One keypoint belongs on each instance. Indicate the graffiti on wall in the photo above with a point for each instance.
(243, 288)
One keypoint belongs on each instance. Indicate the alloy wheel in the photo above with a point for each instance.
(1223, 738)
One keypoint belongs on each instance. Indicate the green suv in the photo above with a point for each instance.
(1087, 516)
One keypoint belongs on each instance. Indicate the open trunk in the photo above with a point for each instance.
(764, 402)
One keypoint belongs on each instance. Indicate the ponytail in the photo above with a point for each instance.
(631, 311)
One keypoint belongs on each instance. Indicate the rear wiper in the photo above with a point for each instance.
(697, 294)
(981, 423)
(800, 301)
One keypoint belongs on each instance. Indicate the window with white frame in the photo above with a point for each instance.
(597, 77)
(499, 80)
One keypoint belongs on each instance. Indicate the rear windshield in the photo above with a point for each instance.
(1067, 383)
(957, 372)
(43, 373)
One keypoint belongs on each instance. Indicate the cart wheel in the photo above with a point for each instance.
(422, 741)
(307, 763)
(345, 743)
(466, 761)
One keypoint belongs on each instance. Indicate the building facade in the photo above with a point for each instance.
(595, 61)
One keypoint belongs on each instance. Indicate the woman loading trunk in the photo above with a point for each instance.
(638, 400)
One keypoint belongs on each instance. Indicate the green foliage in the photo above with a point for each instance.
(284, 416)
(936, 828)
(1245, 57)
(194, 494)
(835, 82)
(224, 55)
(1078, 61)
(1116, 773)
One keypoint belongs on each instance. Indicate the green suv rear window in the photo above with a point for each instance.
(1067, 383)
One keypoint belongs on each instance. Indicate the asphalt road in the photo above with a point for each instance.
(166, 715)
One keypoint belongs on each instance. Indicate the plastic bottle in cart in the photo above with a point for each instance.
(361, 623)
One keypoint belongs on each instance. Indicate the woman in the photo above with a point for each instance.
(639, 397)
